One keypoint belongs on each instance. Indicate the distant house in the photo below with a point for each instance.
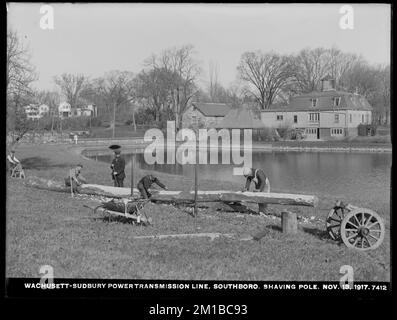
(208, 114)
(243, 118)
(44, 110)
(64, 110)
(322, 114)
(32, 112)
(86, 111)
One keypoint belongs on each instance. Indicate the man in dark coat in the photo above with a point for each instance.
(146, 182)
(118, 167)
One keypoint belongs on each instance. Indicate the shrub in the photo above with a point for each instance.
(95, 122)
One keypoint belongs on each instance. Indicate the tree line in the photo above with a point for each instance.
(169, 81)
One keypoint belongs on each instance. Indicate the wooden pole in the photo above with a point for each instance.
(114, 120)
(289, 223)
(132, 174)
(195, 176)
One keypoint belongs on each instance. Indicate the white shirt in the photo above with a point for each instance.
(12, 159)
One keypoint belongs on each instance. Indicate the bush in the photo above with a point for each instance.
(95, 122)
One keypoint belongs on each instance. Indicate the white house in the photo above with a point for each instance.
(64, 110)
(87, 111)
(322, 115)
(32, 112)
(44, 109)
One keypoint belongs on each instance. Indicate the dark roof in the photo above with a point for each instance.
(349, 101)
(241, 118)
(327, 78)
(212, 109)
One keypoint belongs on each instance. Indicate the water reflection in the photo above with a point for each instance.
(354, 174)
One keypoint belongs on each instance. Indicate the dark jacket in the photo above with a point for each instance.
(148, 180)
(118, 166)
(260, 175)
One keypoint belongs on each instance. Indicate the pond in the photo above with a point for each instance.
(350, 175)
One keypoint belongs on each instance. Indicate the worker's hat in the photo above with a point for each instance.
(246, 171)
(116, 148)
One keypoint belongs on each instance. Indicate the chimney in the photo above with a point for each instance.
(327, 84)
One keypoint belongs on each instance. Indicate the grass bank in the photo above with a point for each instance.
(52, 228)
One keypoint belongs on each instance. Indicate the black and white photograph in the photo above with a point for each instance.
(198, 148)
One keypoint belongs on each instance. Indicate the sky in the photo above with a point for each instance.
(92, 39)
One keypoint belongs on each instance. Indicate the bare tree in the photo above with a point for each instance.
(181, 63)
(266, 73)
(52, 100)
(116, 88)
(71, 86)
(20, 74)
(309, 67)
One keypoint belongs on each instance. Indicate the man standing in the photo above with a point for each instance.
(118, 167)
(146, 182)
(261, 183)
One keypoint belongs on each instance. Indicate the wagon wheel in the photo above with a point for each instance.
(334, 221)
(362, 229)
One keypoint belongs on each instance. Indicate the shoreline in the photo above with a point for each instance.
(99, 148)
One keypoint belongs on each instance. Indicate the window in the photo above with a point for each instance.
(336, 132)
(336, 101)
(314, 102)
(311, 130)
(279, 117)
(350, 118)
(295, 119)
(367, 118)
(337, 118)
(314, 117)
(362, 118)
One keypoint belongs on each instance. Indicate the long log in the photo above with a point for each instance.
(176, 196)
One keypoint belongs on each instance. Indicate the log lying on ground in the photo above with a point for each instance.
(211, 235)
(180, 196)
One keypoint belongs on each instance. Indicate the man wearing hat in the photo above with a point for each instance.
(262, 183)
(118, 167)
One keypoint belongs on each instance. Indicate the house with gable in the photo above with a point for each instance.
(322, 115)
(208, 114)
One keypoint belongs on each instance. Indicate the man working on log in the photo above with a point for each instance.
(145, 183)
(258, 177)
(262, 183)
(75, 178)
(13, 161)
(118, 167)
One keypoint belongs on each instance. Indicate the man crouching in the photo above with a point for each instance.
(262, 183)
(145, 183)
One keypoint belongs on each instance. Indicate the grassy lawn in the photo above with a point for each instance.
(52, 228)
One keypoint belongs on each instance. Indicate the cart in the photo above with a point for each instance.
(358, 228)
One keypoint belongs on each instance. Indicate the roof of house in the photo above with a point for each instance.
(212, 109)
(325, 101)
(241, 118)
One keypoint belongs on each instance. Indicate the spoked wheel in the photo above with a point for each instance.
(334, 221)
(362, 229)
